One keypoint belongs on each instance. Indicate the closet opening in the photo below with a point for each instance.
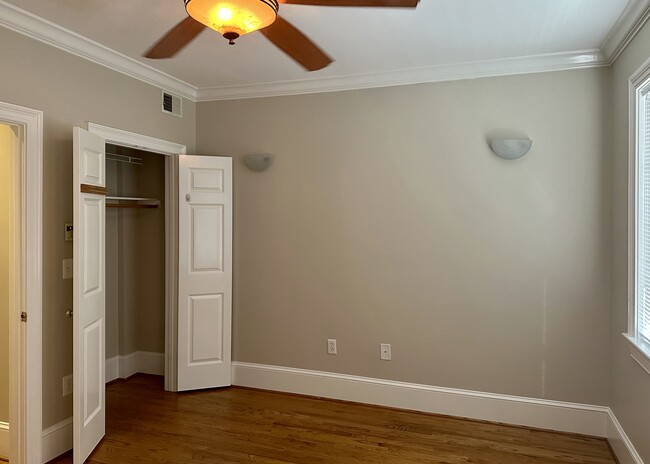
(136, 256)
(152, 273)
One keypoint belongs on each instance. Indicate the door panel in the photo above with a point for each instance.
(88, 295)
(207, 238)
(205, 272)
(206, 313)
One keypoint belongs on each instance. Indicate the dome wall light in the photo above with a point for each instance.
(259, 163)
(510, 149)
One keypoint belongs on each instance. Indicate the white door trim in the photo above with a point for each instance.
(173, 151)
(26, 413)
(141, 142)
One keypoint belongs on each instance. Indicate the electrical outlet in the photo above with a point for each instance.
(384, 351)
(67, 269)
(67, 385)
(331, 346)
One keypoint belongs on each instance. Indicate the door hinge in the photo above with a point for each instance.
(23, 316)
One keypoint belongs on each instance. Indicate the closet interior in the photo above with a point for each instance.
(135, 262)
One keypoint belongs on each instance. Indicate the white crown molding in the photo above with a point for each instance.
(451, 72)
(45, 31)
(632, 19)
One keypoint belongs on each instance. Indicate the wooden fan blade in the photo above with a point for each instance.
(176, 39)
(294, 43)
(356, 3)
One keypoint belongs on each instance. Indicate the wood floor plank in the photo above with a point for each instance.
(235, 425)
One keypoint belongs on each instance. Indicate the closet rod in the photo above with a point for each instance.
(124, 159)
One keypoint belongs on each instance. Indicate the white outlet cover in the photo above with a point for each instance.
(331, 346)
(384, 351)
(67, 385)
(67, 268)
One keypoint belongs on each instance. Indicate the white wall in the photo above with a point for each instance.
(630, 399)
(386, 218)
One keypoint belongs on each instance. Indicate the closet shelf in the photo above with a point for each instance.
(132, 202)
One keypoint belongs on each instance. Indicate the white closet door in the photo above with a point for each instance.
(89, 182)
(205, 272)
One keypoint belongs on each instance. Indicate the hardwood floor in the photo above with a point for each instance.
(148, 425)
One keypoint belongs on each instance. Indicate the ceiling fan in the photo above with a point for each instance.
(234, 18)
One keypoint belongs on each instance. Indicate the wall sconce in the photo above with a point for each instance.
(511, 149)
(259, 163)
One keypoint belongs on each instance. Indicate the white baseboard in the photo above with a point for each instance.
(620, 442)
(544, 414)
(128, 365)
(585, 419)
(4, 440)
(124, 366)
(151, 363)
(57, 440)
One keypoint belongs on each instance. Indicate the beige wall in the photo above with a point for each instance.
(630, 399)
(386, 218)
(135, 238)
(72, 91)
(7, 149)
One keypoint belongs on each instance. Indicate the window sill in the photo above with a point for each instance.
(638, 353)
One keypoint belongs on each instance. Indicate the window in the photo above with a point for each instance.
(639, 324)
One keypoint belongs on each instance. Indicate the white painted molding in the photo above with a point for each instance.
(24, 22)
(637, 353)
(139, 141)
(478, 69)
(620, 442)
(28, 404)
(45, 31)
(144, 362)
(128, 365)
(57, 440)
(632, 19)
(4, 440)
(112, 367)
(151, 363)
(530, 412)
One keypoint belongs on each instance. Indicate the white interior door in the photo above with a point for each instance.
(89, 409)
(205, 272)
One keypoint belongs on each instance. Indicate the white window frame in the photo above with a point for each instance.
(639, 81)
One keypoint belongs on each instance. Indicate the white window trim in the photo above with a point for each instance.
(638, 352)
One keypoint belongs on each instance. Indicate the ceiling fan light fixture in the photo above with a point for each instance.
(233, 18)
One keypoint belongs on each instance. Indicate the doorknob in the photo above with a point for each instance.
(188, 197)
(68, 313)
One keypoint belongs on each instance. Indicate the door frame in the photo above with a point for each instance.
(171, 151)
(26, 339)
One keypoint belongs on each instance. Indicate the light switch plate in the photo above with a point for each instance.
(68, 231)
(67, 268)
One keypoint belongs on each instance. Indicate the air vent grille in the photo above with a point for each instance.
(172, 104)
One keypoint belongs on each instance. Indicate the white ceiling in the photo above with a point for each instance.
(364, 42)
